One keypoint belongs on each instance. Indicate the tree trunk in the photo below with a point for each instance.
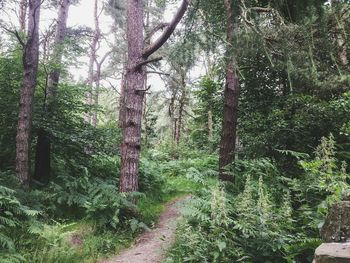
(22, 16)
(122, 99)
(30, 69)
(210, 125)
(92, 59)
(134, 94)
(135, 76)
(181, 107)
(43, 148)
(96, 98)
(231, 94)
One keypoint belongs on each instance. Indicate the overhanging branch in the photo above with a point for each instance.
(168, 31)
(155, 30)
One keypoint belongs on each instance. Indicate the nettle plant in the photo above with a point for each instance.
(325, 179)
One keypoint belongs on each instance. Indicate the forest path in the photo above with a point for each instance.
(151, 246)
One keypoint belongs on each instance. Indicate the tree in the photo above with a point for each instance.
(138, 57)
(93, 53)
(22, 16)
(43, 147)
(30, 69)
(231, 93)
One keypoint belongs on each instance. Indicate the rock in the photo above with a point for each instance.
(337, 225)
(332, 253)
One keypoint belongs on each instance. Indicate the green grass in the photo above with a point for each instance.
(153, 204)
(93, 242)
(55, 244)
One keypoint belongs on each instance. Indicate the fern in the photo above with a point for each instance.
(14, 215)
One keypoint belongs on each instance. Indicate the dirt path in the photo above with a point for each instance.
(151, 246)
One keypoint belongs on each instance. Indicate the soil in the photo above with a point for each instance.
(151, 246)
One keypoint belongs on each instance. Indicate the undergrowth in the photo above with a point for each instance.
(81, 217)
(264, 216)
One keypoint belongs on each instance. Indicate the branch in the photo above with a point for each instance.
(144, 90)
(262, 9)
(155, 30)
(157, 72)
(99, 63)
(16, 34)
(168, 31)
(112, 86)
(144, 62)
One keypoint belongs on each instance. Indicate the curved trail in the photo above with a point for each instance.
(151, 246)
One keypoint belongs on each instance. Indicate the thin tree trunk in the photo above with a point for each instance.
(210, 125)
(22, 16)
(96, 97)
(181, 108)
(122, 99)
(145, 111)
(92, 59)
(43, 148)
(176, 128)
(30, 69)
(231, 94)
(173, 119)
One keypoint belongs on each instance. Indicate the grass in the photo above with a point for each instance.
(85, 241)
(153, 204)
(72, 242)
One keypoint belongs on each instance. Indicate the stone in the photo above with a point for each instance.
(337, 224)
(332, 253)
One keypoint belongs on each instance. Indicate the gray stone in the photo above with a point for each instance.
(332, 253)
(337, 225)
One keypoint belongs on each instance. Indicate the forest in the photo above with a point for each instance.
(172, 131)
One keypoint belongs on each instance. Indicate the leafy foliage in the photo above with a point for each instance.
(14, 215)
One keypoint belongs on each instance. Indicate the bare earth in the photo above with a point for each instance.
(151, 246)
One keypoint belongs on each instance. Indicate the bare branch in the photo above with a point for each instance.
(157, 72)
(144, 90)
(144, 62)
(113, 87)
(168, 31)
(16, 34)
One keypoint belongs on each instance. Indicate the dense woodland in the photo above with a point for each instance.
(242, 104)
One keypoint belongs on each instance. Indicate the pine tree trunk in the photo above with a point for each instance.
(43, 147)
(231, 94)
(30, 69)
(134, 93)
(135, 76)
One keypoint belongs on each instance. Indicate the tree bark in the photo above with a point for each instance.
(131, 144)
(22, 16)
(43, 148)
(122, 99)
(97, 80)
(30, 69)
(231, 94)
(181, 108)
(134, 94)
(210, 125)
(92, 59)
